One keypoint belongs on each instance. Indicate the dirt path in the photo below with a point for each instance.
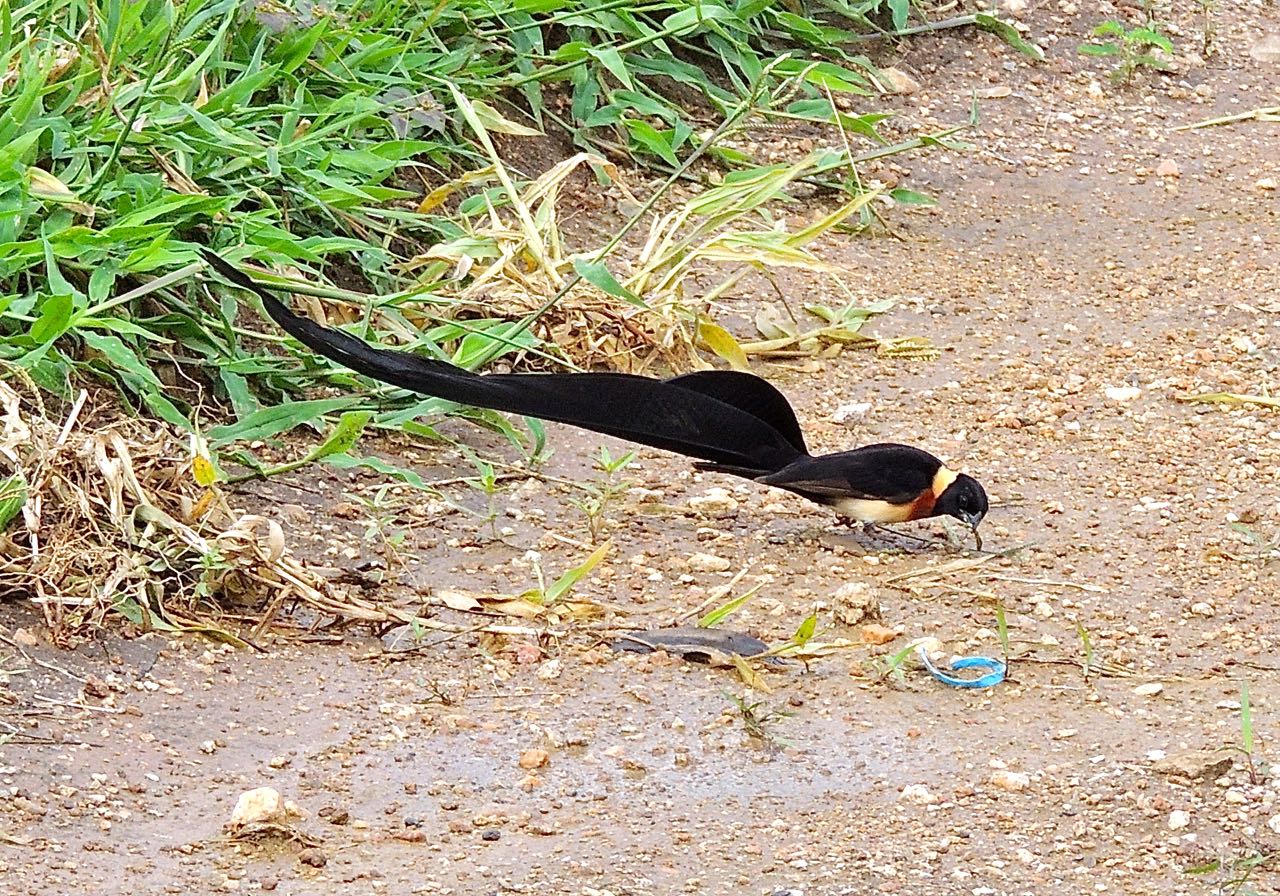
(1058, 266)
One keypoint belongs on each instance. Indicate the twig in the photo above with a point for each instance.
(42, 663)
(109, 710)
(959, 565)
(1268, 113)
(71, 418)
(1052, 583)
(926, 28)
(717, 593)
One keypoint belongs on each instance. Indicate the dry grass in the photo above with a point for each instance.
(113, 518)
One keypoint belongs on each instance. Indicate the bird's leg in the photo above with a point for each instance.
(873, 528)
(877, 530)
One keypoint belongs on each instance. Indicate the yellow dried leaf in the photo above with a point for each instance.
(203, 471)
(495, 122)
(45, 186)
(577, 609)
(1232, 398)
(515, 606)
(721, 341)
(750, 677)
(202, 505)
(458, 600)
(437, 196)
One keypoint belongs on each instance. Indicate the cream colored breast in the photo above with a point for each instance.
(868, 511)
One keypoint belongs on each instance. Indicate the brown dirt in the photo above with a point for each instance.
(1057, 265)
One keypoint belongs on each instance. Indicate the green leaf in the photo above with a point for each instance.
(1206, 868)
(611, 59)
(1151, 36)
(494, 122)
(1009, 35)
(835, 78)
(344, 436)
(724, 611)
(901, 10)
(805, 632)
(378, 465)
(136, 374)
(17, 148)
(1099, 50)
(566, 582)
(650, 138)
(904, 196)
(139, 615)
(272, 421)
(55, 316)
(687, 21)
(13, 495)
(1151, 61)
(599, 276)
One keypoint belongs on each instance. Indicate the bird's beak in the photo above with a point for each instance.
(973, 520)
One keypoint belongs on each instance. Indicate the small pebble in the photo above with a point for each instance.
(918, 794)
(1013, 782)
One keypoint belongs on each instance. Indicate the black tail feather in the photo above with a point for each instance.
(747, 392)
(710, 418)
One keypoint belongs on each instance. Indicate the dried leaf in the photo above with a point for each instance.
(721, 341)
(873, 633)
(495, 122)
(458, 600)
(773, 322)
(750, 677)
(1232, 398)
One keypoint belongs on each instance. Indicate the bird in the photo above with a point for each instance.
(728, 421)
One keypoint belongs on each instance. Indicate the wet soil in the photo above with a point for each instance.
(1077, 294)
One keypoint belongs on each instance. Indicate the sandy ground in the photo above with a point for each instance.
(1077, 293)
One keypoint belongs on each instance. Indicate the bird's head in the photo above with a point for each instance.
(966, 500)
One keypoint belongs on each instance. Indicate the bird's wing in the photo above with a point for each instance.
(688, 421)
(897, 474)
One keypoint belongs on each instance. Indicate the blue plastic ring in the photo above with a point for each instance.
(991, 679)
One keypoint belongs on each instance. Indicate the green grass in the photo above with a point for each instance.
(130, 131)
(1131, 48)
(367, 156)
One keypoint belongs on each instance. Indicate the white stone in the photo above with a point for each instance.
(707, 563)
(1122, 393)
(262, 804)
(917, 793)
(1014, 782)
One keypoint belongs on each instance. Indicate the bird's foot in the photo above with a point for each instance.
(877, 530)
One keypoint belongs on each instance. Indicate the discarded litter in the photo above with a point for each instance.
(712, 646)
(995, 674)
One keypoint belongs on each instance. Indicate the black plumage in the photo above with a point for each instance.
(729, 421)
